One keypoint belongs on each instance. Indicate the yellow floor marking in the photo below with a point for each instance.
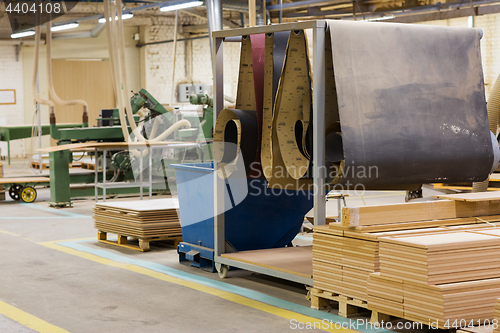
(197, 286)
(9, 233)
(28, 320)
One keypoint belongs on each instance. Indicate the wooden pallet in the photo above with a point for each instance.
(45, 166)
(348, 306)
(36, 165)
(88, 166)
(143, 242)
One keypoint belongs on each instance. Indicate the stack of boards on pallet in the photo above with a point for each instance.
(143, 219)
(431, 262)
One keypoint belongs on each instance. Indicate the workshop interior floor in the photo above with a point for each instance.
(56, 277)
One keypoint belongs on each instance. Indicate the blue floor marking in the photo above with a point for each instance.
(57, 211)
(257, 296)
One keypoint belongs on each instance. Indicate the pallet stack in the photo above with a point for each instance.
(429, 261)
(147, 221)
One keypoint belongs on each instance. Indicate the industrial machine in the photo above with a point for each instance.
(150, 118)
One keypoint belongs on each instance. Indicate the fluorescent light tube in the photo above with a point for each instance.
(22, 34)
(65, 27)
(181, 6)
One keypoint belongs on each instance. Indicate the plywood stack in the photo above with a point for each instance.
(327, 259)
(430, 261)
(344, 258)
(141, 219)
(448, 304)
(488, 326)
(439, 258)
(497, 316)
(385, 295)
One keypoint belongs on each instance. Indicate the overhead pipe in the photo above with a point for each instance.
(94, 33)
(214, 18)
(175, 58)
(52, 92)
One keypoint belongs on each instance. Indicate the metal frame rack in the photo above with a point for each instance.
(319, 31)
(141, 184)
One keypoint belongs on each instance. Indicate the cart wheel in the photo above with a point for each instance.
(15, 192)
(28, 194)
(223, 271)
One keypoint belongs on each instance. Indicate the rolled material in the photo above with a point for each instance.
(411, 103)
(235, 142)
(398, 112)
(275, 48)
(293, 108)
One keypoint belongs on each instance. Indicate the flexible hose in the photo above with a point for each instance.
(493, 117)
(124, 86)
(109, 32)
(116, 44)
(52, 92)
(38, 33)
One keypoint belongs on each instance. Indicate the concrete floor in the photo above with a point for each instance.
(54, 272)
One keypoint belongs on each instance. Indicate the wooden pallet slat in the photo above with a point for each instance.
(144, 243)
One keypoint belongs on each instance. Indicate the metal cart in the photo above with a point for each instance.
(319, 29)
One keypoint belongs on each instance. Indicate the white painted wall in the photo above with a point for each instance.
(11, 77)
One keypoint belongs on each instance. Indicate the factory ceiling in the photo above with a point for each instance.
(193, 20)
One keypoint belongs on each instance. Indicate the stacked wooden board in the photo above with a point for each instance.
(429, 261)
(327, 259)
(140, 218)
(497, 316)
(488, 326)
(455, 256)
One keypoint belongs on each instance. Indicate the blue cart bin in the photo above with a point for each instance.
(255, 218)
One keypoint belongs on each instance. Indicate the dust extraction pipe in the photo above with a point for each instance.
(52, 92)
(36, 97)
(116, 45)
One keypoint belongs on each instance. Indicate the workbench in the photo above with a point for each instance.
(104, 147)
(16, 132)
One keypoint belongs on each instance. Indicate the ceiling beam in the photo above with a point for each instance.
(306, 4)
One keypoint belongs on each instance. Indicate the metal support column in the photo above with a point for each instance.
(218, 58)
(319, 168)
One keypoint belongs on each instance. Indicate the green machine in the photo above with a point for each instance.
(148, 113)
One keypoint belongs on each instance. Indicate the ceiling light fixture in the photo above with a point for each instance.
(65, 27)
(181, 6)
(22, 34)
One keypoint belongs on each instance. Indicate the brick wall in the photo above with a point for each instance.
(193, 60)
(11, 77)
